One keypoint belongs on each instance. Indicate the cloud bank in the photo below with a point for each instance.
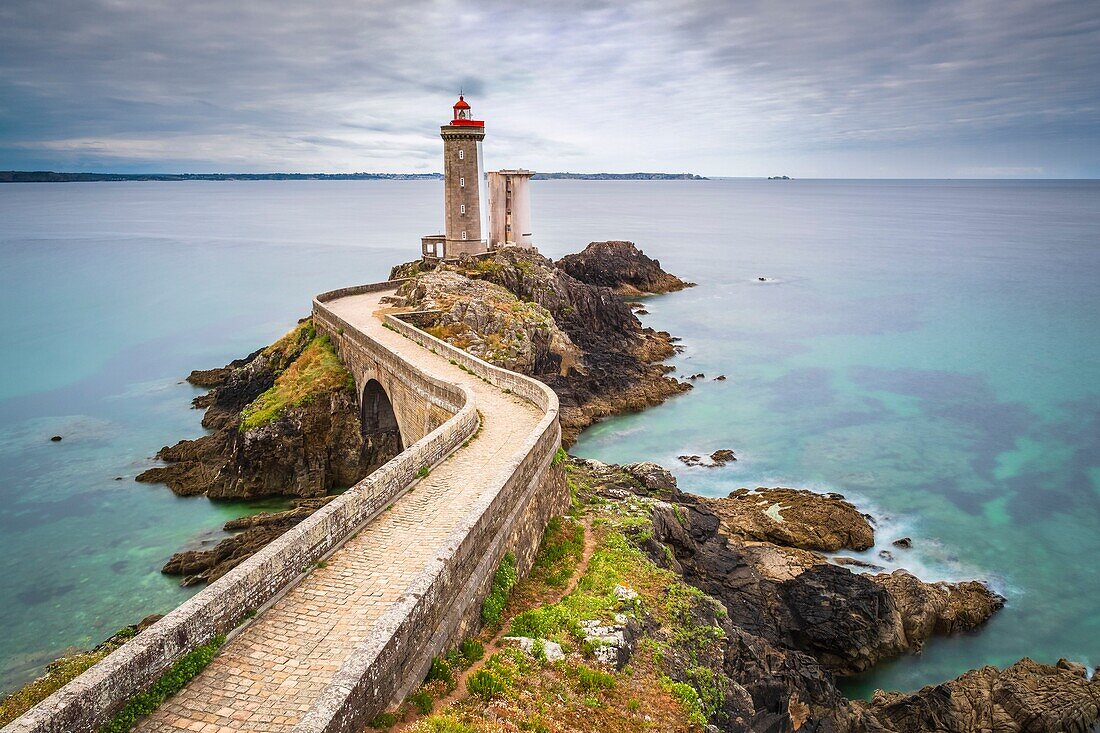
(843, 88)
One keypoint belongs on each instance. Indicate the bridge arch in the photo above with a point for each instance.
(376, 414)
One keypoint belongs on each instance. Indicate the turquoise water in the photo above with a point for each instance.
(929, 349)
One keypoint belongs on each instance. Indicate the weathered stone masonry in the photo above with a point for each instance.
(435, 611)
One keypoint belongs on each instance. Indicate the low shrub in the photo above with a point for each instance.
(171, 682)
(503, 582)
(486, 685)
(591, 680)
(422, 701)
(442, 671)
(472, 650)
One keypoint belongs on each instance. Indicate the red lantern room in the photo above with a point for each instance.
(462, 114)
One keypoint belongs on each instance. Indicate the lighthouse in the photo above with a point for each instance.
(469, 196)
(462, 187)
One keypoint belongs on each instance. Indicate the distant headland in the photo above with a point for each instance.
(53, 177)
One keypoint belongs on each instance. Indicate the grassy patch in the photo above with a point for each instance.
(503, 582)
(169, 683)
(58, 674)
(316, 370)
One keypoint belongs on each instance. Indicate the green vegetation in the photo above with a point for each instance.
(423, 472)
(384, 720)
(169, 683)
(58, 674)
(671, 682)
(686, 695)
(503, 582)
(313, 369)
(472, 650)
(423, 701)
(442, 671)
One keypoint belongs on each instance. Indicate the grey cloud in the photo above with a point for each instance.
(913, 87)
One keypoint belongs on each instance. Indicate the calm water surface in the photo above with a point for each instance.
(929, 349)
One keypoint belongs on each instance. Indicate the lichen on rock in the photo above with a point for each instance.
(595, 353)
(794, 518)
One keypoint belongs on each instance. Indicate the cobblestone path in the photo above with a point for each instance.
(267, 677)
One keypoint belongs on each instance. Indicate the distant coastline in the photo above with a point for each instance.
(53, 177)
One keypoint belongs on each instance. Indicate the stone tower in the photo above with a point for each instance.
(509, 208)
(462, 182)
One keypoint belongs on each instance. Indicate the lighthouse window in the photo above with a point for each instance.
(461, 154)
(462, 182)
(463, 234)
(462, 209)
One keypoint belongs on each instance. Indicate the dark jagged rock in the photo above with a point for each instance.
(722, 456)
(905, 543)
(716, 459)
(938, 608)
(792, 621)
(201, 566)
(622, 267)
(614, 365)
(1026, 696)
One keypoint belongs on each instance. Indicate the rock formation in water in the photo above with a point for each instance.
(1026, 696)
(795, 518)
(792, 622)
(285, 422)
(622, 267)
(254, 532)
(592, 351)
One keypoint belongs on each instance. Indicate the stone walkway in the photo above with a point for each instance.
(266, 678)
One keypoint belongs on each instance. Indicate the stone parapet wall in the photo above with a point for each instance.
(439, 608)
(443, 604)
(95, 696)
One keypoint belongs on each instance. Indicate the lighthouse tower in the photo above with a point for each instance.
(462, 183)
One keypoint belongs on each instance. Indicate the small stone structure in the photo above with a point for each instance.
(510, 208)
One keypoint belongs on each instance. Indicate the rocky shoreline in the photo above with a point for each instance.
(284, 422)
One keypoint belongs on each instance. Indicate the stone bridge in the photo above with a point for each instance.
(341, 616)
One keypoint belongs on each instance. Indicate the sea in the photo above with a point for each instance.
(928, 349)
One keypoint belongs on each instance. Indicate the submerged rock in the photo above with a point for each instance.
(722, 456)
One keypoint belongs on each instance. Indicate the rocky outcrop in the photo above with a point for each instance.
(1026, 696)
(600, 360)
(792, 621)
(794, 518)
(256, 530)
(929, 609)
(622, 267)
(488, 321)
(284, 422)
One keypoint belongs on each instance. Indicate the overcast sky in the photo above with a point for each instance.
(829, 88)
